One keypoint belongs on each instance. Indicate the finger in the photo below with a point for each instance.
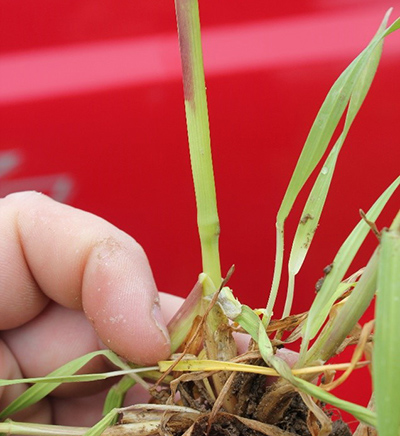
(78, 412)
(57, 336)
(52, 339)
(87, 411)
(242, 341)
(9, 369)
(169, 305)
(51, 250)
(289, 356)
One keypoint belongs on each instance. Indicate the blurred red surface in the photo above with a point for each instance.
(91, 112)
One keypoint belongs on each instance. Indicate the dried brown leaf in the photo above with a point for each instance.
(325, 425)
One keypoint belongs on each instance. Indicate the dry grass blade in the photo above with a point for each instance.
(287, 324)
(176, 423)
(205, 367)
(226, 391)
(179, 327)
(192, 377)
(148, 419)
(325, 427)
(191, 339)
(358, 352)
(267, 429)
(371, 224)
(352, 339)
(226, 423)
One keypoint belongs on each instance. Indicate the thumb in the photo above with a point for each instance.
(51, 250)
(121, 300)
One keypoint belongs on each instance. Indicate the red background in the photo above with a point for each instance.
(91, 111)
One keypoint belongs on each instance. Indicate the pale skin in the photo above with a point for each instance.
(71, 282)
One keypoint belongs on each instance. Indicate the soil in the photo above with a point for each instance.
(293, 424)
(249, 405)
(295, 420)
(254, 414)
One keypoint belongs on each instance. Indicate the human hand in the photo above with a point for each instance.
(67, 279)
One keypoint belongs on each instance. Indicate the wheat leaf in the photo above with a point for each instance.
(326, 296)
(387, 339)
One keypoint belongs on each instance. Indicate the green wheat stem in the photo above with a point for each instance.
(187, 14)
(23, 428)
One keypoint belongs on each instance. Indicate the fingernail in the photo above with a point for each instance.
(159, 321)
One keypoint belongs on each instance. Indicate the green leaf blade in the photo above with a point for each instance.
(386, 355)
(313, 209)
(38, 391)
(360, 71)
(327, 294)
(103, 424)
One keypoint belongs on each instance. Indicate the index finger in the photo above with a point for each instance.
(53, 251)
